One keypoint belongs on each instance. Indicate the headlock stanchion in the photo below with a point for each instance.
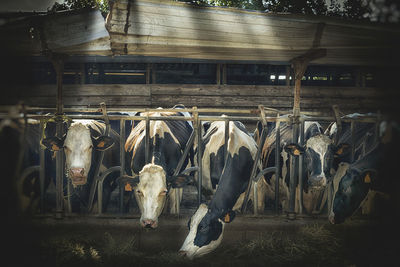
(96, 176)
(196, 137)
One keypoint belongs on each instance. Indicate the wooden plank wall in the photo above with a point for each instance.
(317, 100)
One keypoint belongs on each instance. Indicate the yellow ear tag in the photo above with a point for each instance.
(54, 147)
(367, 178)
(296, 152)
(128, 187)
(227, 218)
(101, 144)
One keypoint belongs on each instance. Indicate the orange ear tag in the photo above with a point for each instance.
(367, 179)
(54, 147)
(296, 152)
(128, 187)
(227, 218)
(340, 151)
(101, 144)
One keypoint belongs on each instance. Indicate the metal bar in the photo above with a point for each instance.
(98, 163)
(198, 131)
(255, 197)
(42, 170)
(277, 165)
(293, 176)
(226, 136)
(184, 154)
(352, 128)
(264, 172)
(100, 186)
(147, 139)
(122, 162)
(254, 168)
(59, 174)
(301, 162)
(28, 171)
(367, 119)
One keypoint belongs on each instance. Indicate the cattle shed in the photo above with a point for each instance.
(156, 53)
(252, 65)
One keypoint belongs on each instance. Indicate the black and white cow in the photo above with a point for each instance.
(82, 145)
(371, 172)
(156, 178)
(319, 152)
(227, 175)
(363, 139)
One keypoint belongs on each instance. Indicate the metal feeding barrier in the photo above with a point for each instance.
(197, 116)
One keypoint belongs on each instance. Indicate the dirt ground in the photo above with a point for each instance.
(248, 241)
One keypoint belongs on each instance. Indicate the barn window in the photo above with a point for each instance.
(184, 73)
(256, 74)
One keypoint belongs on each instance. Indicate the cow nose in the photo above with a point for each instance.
(317, 180)
(77, 172)
(332, 218)
(182, 253)
(149, 223)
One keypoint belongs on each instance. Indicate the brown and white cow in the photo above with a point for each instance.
(155, 179)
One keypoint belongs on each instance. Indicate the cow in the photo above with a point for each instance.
(155, 180)
(82, 144)
(228, 176)
(319, 152)
(363, 139)
(371, 172)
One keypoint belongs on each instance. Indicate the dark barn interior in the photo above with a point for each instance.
(248, 65)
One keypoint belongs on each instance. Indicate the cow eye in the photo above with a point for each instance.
(67, 148)
(140, 193)
(164, 192)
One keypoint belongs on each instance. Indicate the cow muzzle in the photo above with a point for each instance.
(149, 223)
(317, 181)
(77, 176)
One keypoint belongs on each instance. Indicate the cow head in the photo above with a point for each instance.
(351, 190)
(205, 232)
(78, 145)
(152, 190)
(319, 154)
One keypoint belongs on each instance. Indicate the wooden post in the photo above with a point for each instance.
(58, 63)
(218, 74)
(148, 73)
(288, 71)
(224, 81)
(299, 65)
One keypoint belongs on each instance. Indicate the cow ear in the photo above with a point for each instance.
(102, 142)
(53, 143)
(228, 217)
(130, 183)
(206, 125)
(369, 176)
(180, 181)
(341, 149)
(294, 149)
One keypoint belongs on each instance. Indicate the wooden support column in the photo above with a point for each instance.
(58, 63)
(299, 65)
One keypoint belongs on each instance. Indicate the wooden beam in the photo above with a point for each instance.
(299, 65)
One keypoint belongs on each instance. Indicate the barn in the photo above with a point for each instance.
(247, 65)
